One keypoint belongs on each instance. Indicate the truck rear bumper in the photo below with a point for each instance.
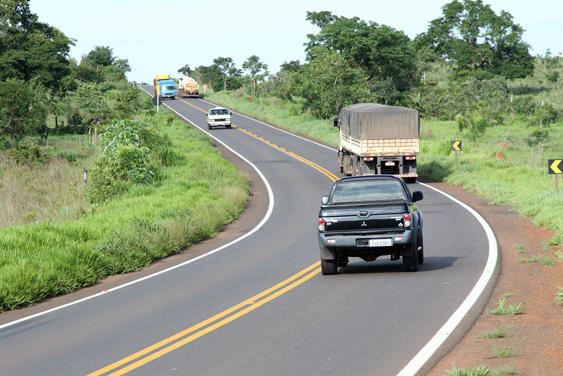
(356, 245)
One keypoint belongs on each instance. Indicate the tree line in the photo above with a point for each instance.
(349, 60)
(38, 77)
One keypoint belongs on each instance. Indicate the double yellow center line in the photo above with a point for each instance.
(192, 333)
(321, 169)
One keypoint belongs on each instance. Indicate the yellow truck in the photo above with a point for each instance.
(164, 87)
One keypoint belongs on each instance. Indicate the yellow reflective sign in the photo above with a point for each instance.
(456, 145)
(553, 166)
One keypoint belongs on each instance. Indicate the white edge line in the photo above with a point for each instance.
(256, 228)
(420, 359)
(455, 319)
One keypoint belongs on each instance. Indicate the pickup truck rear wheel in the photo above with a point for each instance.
(410, 263)
(328, 267)
(420, 250)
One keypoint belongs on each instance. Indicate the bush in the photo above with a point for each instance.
(27, 151)
(131, 154)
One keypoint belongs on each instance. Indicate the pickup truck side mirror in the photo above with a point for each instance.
(324, 200)
(335, 122)
(417, 196)
(230, 113)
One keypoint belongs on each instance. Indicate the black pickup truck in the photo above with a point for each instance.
(368, 217)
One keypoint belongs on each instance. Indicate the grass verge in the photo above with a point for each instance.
(199, 195)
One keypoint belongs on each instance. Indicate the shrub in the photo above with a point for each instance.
(26, 151)
(131, 154)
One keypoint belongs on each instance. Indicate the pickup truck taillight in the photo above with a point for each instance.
(321, 224)
(407, 218)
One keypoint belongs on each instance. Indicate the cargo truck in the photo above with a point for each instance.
(164, 87)
(378, 139)
(188, 87)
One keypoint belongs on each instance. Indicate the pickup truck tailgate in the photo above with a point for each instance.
(382, 218)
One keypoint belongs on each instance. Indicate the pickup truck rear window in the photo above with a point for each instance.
(368, 190)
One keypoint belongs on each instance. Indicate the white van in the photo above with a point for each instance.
(218, 117)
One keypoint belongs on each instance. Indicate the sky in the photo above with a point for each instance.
(161, 36)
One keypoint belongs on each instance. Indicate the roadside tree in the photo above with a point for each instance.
(30, 49)
(23, 110)
(384, 53)
(186, 70)
(227, 68)
(480, 42)
(330, 82)
(257, 71)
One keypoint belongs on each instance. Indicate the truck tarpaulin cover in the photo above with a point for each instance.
(378, 121)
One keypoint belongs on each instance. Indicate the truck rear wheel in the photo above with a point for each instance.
(410, 263)
(328, 267)
(420, 251)
(355, 166)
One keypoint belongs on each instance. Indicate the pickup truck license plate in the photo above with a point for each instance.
(380, 243)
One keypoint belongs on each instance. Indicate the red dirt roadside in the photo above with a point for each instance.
(535, 337)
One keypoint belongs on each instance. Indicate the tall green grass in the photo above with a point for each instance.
(198, 196)
(518, 178)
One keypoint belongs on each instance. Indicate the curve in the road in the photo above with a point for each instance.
(444, 339)
(442, 333)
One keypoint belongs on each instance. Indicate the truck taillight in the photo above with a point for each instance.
(321, 224)
(410, 157)
(407, 218)
(368, 159)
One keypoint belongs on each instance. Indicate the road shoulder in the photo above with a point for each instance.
(535, 335)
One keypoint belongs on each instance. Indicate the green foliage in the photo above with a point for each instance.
(193, 201)
(31, 50)
(383, 52)
(257, 71)
(91, 102)
(559, 296)
(513, 309)
(23, 110)
(544, 115)
(479, 41)
(482, 371)
(185, 70)
(26, 151)
(538, 136)
(131, 154)
(127, 102)
(101, 56)
(502, 351)
(494, 334)
(330, 82)
(210, 75)
(227, 68)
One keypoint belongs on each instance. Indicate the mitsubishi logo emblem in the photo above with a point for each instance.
(364, 224)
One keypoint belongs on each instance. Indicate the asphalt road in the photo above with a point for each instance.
(370, 319)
